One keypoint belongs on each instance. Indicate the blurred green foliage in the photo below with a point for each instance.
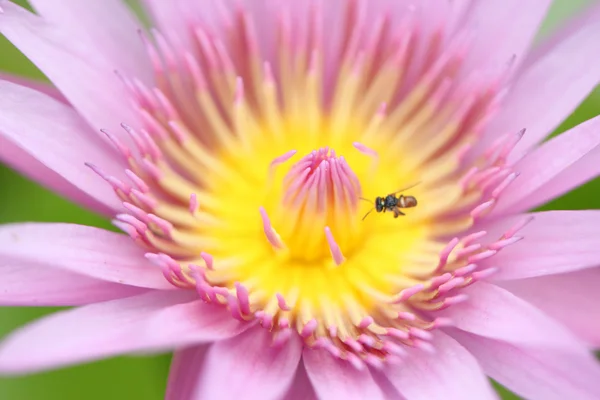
(145, 377)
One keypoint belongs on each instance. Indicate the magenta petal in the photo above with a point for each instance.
(76, 68)
(58, 142)
(556, 167)
(39, 86)
(85, 250)
(155, 321)
(451, 373)
(186, 367)
(554, 242)
(563, 70)
(35, 284)
(301, 388)
(99, 23)
(496, 313)
(507, 26)
(168, 17)
(572, 299)
(536, 373)
(248, 367)
(338, 379)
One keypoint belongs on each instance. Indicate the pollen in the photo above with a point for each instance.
(247, 174)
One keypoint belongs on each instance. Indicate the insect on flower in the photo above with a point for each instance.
(393, 203)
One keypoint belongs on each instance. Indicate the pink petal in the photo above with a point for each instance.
(107, 26)
(536, 373)
(171, 20)
(560, 71)
(506, 26)
(155, 321)
(337, 379)
(37, 285)
(85, 250)
(554, 242)
(60, 141)
(87, 80)
(556, 167)
(248, 367)
(571, 299)
(301, 388)
(186, 367)
(496, 313)
(451, 373)
(39, 86)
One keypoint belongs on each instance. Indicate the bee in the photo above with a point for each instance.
(393, 203)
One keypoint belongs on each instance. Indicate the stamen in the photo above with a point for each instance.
(336, 253)
(272, 236)
(193, 204)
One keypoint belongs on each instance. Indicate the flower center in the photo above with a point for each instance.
(250, 169)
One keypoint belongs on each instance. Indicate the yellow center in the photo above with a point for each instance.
(229, 208)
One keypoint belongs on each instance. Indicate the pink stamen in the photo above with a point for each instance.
(153, 149)
(509, 179)
(137, 212)
(356, 362)
(408, 293)
(137, 181)
(367, 340)
(144, 199)
(478, 211)
(517, 227)
(152, 169)
(354, 345)
(281, 159)
(465, 270)
(178, 131)
(398, 334)
(406, 316)
(420, 333)
(133, 221)
(281, 302)
(332, 330)
(309, 328)
(365, 322)
(282, 337)
(128, 229)
(336, 253)
(234, 308)
(481, 256)
(137, 139)
(270, 233)
(467, 240)
(445, 253)
(193, 205)
(467, 250)
(208, 260)
(439, 280)
(365, 150)
(165, 226)
(452, 284)
(243, 299)
(500, 244)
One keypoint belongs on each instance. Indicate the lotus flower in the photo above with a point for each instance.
(233, 145)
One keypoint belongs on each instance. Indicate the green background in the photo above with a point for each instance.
(145, 377)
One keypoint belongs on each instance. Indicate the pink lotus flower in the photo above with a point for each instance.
(238, 140)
